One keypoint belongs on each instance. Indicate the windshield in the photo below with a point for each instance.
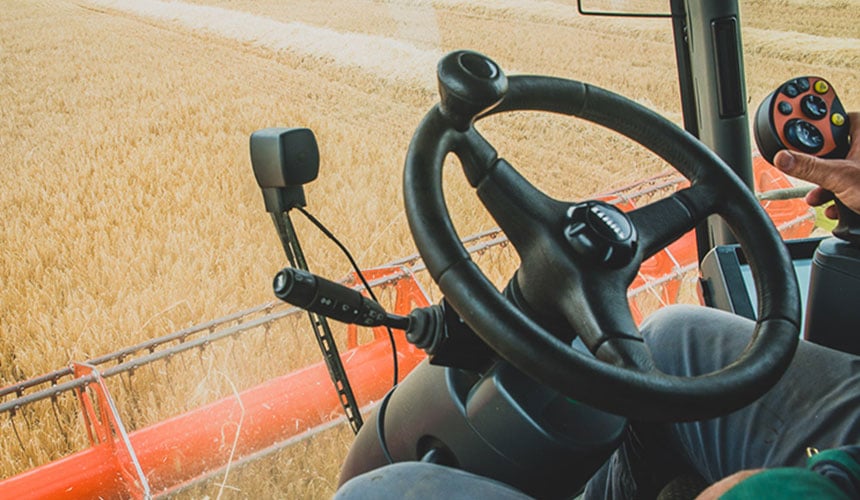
(131, 213)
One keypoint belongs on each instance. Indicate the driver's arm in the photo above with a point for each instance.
(717, 489)
(833, 176)
(831, 474)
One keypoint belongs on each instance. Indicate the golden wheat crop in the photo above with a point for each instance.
(128, 204)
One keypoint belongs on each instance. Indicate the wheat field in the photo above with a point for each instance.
(129, 207)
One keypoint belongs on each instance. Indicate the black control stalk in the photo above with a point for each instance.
(437, 329)
(332, 300)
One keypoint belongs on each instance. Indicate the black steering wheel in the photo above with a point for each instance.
(578, 259)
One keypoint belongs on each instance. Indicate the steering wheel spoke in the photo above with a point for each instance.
(664, 221)
(597, 312)
(521, 210)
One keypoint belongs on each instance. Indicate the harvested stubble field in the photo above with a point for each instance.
(130, 209)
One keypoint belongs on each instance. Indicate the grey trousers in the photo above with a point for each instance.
(815, 405)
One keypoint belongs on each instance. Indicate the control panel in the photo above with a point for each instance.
(804, 114)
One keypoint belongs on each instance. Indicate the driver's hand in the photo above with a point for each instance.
(834, 176)
(717, 489)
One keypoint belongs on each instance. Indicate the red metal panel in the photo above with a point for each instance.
(186, 446)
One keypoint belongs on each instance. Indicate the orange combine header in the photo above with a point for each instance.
(192, 446)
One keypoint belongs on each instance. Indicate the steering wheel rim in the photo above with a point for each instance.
(472, 87)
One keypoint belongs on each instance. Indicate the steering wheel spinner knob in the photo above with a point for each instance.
(470, 83)
(601, 232)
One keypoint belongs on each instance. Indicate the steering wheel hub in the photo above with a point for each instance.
(601, 233)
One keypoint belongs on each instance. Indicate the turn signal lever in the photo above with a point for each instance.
(805, 114)
(332, 300)
(437, 329)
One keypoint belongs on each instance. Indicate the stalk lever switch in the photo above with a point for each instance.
(333, 300)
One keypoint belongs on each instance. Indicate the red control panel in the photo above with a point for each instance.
(803, 114)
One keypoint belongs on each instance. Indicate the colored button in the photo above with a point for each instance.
(837, 119)
(821, 87)
(813, 106)
(804, 136)
(785, 108)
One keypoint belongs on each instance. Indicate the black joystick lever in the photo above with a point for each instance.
(330, 299)
(469, 84)
(804, 114)
(437, 329)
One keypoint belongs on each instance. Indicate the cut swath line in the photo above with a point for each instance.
(387, 58)
(390, 59)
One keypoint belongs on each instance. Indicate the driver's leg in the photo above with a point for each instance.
(421, 480)
(816, 404)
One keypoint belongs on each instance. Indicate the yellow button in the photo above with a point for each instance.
(821, 87)
(837, 119)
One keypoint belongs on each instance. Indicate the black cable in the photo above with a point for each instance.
(340, 245)
(380, 425)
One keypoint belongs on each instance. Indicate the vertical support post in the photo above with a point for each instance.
(284, 160)
(322, 331)
(712, 53)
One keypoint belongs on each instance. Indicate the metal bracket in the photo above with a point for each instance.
(104, 427)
